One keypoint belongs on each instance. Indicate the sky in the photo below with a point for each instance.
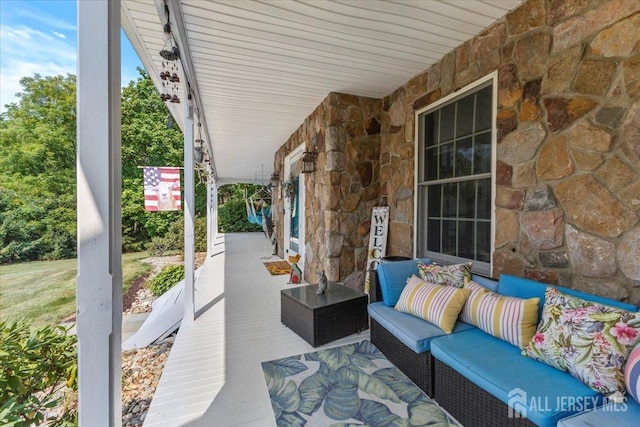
(40, 37)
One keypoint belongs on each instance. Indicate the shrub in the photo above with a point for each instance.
(160, 245)
(201, 234)
(174, 238)
(34, 367)
(166, 279)
(130, 245)
(232, 218)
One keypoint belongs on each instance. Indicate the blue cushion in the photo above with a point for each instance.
(498, 367)
(623, 414)
(520, 287)
(490, 284)
(393, 276)
(412, 331)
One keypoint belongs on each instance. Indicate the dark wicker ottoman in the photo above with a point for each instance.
(319, 319)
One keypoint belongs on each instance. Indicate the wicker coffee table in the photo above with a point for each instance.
(319, 319)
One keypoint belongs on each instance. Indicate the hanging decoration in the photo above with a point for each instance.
(169, 73)
(201, 156)
(198, 146)
(161, 189)
(169, 51)
(289, 187)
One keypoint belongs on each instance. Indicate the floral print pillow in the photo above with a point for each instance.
(591, 341)
(449, 275)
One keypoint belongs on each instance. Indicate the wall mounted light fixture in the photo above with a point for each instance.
(274, 180)
(309, 160)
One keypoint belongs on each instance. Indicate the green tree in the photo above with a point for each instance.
(148, 141)
(38, 168)
(37, 171)
(232, 214)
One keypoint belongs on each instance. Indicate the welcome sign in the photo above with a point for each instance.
(377, 240)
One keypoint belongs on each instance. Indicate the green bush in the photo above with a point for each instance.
(201, 234)
(174, 238)
(34, 367)
(160, 245)
(166, 279)
(129, 245)
(232, 218)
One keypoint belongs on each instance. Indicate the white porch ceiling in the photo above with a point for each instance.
(261, 67)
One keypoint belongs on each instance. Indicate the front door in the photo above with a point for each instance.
(294, 206)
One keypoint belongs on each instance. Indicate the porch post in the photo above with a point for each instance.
(189, 212)
(98, 157)
(209, 217)
(212, 214)
(215, 210)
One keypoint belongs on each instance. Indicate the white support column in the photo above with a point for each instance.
(210, 237)
(212, 215)
(99, 279)
(189, 216)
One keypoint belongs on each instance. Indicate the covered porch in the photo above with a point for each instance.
(357, 82)
(213, 374)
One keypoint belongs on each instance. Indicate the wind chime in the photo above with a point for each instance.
(170, 82)
(169, 74)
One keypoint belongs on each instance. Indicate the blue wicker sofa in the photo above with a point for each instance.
(474, 375)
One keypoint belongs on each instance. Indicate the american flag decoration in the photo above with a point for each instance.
(161, 189)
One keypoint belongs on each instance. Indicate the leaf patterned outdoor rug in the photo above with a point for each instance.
(346, 386)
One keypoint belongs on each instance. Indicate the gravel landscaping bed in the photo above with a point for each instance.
(141, 371)
(141, 368)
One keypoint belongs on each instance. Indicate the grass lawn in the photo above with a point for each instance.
(44, 292)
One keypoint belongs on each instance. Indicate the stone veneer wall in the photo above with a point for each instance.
(568, 130)
(340, 194)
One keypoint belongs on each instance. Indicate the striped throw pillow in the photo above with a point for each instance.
(434, 303)
(632, 374)
(470, 309)
(511, 319)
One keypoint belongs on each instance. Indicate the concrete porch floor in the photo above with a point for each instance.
(213, 375)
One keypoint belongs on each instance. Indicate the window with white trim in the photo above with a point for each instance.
(454, 179)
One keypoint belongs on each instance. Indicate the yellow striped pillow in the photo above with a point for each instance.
(470, 308)
(436, 304)
(511, 319)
